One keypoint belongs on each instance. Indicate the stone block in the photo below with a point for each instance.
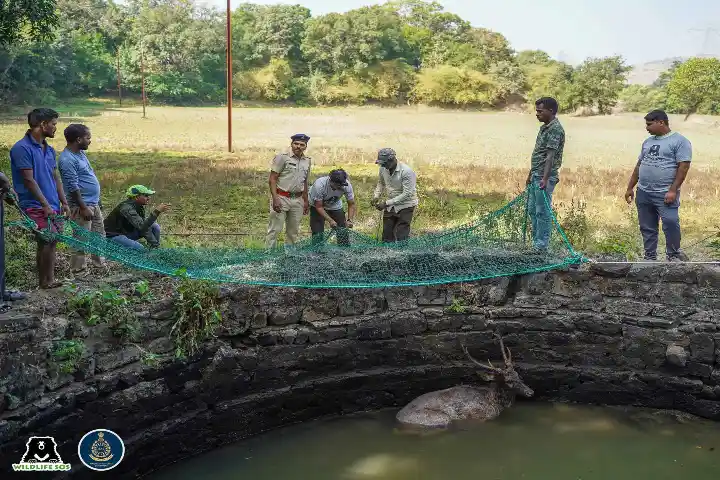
(611, 270)
(537, 283)
(676, 355)
(117, 359)
(597, 323)
(408, 323)
(547, 301)
(709, 276)
(681, 273)
(702, 348)
(647, 273)
(699, 370)
(628, 307)
(428, 296)
(11, 323)
(401, 299)
(433, 313)
(285, 316)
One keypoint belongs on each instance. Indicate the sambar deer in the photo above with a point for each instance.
(441, 408)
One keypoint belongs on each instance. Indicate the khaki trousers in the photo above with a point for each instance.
(78, 259)
(289, 217)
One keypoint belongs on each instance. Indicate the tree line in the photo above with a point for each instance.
(404, 51)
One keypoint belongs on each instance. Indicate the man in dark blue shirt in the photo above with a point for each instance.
(39, 187)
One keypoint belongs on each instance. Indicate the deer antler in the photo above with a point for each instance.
(507, 357)
(479, 364)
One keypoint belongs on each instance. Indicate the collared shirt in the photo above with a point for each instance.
(26, 154)
(401, 187)
(550, 137)
(293, 171)
(78, 174)
(659, 158)
(321, 190)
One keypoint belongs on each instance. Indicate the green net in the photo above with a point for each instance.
(494, 245)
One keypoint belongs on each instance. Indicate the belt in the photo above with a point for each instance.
(288, 194)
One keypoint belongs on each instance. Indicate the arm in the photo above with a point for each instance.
(61, 192)
(682, 171)
(683, 156)
(32, 186)
(306, 202)
(549, 161)
(69, 177)
(379, 188)
(634, 178)
(319, 207)
(277, 166)
(6, 188)
(352, 209)
(409, 183)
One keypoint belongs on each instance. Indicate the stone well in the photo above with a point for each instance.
(641, 335)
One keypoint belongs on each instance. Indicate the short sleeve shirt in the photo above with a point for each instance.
(332, 199)
(550, 137)
(293, 171)
(27, 154)
(659, 158)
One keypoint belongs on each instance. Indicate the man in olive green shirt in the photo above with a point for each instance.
(288, 191)
(544, 170)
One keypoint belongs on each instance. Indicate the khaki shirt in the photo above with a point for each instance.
(401, 187)
(293, 171)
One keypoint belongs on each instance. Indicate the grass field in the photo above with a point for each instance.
(468, 163)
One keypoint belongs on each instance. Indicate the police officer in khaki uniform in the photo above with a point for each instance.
(289, 191)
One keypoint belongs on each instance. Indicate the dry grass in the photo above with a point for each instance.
(467, 162)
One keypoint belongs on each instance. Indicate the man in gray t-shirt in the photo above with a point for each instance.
(326, 205)
(661, 169)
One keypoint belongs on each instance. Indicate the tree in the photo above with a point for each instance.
(597, 83)
(533, 57)
(34, 18)
(350, 42)
(695, 83)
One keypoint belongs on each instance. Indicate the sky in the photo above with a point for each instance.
(572, 30)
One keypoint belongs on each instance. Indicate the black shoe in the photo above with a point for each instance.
(13, 296)
(4, 307)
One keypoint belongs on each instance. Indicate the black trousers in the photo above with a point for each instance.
(317, 225)
(396, 225)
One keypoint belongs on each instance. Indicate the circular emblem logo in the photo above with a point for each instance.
(101, 450)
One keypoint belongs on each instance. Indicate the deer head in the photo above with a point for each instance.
(507, 374)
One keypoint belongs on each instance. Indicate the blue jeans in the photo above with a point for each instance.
(651, 209)
(540, 215)
(131, 240)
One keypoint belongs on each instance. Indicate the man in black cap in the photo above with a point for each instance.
(400, 182)
(326, 205)
(288, 191)
(8, 195)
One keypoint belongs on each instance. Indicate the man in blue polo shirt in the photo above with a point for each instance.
(39, 187)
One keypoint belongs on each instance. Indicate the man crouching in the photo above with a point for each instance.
(127, 224)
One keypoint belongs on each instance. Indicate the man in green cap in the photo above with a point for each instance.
(126, 224)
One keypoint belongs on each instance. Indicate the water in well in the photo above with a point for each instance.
(534, 441)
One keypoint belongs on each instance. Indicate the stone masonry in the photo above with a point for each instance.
(641, 335)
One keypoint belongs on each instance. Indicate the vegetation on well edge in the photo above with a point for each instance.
(197, 314)
(66, 354)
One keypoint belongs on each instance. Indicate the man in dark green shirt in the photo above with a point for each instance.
(127, 224)
(544, 170)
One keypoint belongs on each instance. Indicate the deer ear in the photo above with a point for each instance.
(486, 376)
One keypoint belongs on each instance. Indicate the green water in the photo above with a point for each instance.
(529, 441)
